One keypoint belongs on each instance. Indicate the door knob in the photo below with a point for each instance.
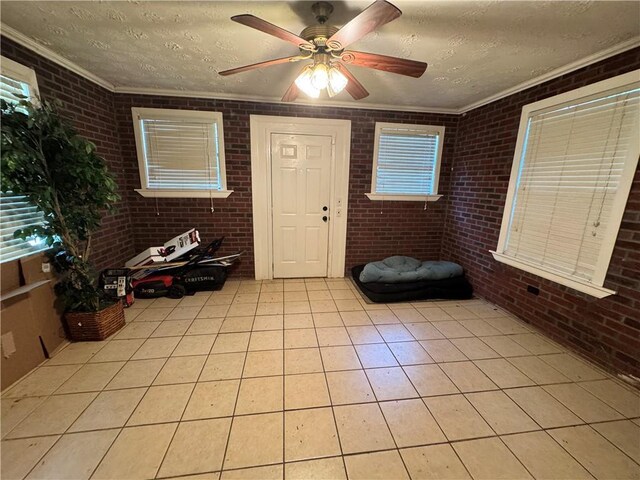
(325, 208)
(325, 218)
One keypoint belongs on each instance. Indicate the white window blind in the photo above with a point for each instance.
(571, 168)
(407, 160)
(15, 211)
(179, 151)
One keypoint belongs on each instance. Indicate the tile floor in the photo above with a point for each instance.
(303, 379)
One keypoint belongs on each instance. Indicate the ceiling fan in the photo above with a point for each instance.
(325, 46)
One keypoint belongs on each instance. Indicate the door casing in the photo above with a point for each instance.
(262, 126)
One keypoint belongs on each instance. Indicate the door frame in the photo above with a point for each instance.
(262, 126)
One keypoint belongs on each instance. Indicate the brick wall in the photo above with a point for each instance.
(91, 109)
(607, 330)
(374, 229)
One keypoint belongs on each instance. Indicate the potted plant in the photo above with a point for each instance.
(44, 159)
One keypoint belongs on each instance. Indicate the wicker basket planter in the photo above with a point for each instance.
(86, 326)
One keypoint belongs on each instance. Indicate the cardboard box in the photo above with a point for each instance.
(35, 268)
(150, 255)
(9, 276)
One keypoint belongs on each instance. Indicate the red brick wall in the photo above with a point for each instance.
(607, 330)
(374, 230)
(91, 109)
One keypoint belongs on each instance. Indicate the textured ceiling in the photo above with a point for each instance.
(474, 49)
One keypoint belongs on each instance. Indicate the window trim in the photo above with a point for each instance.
(139, 113)
(22, 73)
(428, 129)
(595, 287)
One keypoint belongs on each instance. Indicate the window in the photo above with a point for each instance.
(573, 167)
(406, 162)
(180, 153)
(15, 211)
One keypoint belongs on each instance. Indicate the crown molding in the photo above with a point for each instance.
(558, 72)
(49, 54)
(22, 39)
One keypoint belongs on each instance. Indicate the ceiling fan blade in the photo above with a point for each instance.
(271, 29)
(291, 94)
(253, 66)
(374, 16)
(401, 66)
(354, 87)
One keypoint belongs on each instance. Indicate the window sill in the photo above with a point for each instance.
(588, 288)
(183, 193)
(405, 198)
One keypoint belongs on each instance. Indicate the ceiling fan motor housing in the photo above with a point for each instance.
(318, 34)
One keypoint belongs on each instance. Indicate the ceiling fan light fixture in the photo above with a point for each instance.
(304, 83)
(337, 81)
(320, 76)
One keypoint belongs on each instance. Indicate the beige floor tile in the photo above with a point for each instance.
(151, 315)
(424, 331)
(242, 310)
(457, 417)
(352, 319)
(117, 350)
(390, 384)
(474, 348)
(297, 307)
(74, 456)
(124, 458)
(443, 351)
(205, 326)
(270, 309)
(181, 370)
(380, 465)
(318, 295)
(295, 286)
(543, 457)
(139, 373)
(507, 325)
(624, 434)
(194, 345)
(479, 327)
(573, 368)
(246, 298)
(362, 428)
(236, 324)
(318, 306)
(268, 340)
(300, 338)
(434, 314)
(538, 371)
(231, 342)
(212, 399)
(582, 403)
(298, 320)
(263, 364)
(305, 390)
(300, 296)
(53, 416)
(375, 355)
(536, 344)
(270, 472)
(14, 410)
(260, 395)
(434, 462)
(595, 453)
(268, 322)
(302, 360)
(364, 334)
(164, 302)
(430, 380)
(409, 315)
(452, 329)
(213, 311)
(184, 313)
(174, 328)
(542, 407)
(76, 353)
(325, 320)
(350, 386)
(321, 469)
(333, 336)
(195, 300)
(467, 377)
(197, 447)
(160, 404)
(342, 295)
(255, 440)
(348, 305)
(339, 358)
(130, 314)
(92, 377)
(110, 409)
(223, 366)
(622, 399)
(156, 348)
(41, 381)
(501, 413)
(410, 353)
(490, 459)
(503, 374)
(20, 456)
(395, 333)
(383, 317)
(220, 299)
(309, 434)
(411, 423)
(505, 346)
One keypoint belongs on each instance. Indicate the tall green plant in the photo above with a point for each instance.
(44, 159)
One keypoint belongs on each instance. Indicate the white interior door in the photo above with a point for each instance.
(301, 191)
